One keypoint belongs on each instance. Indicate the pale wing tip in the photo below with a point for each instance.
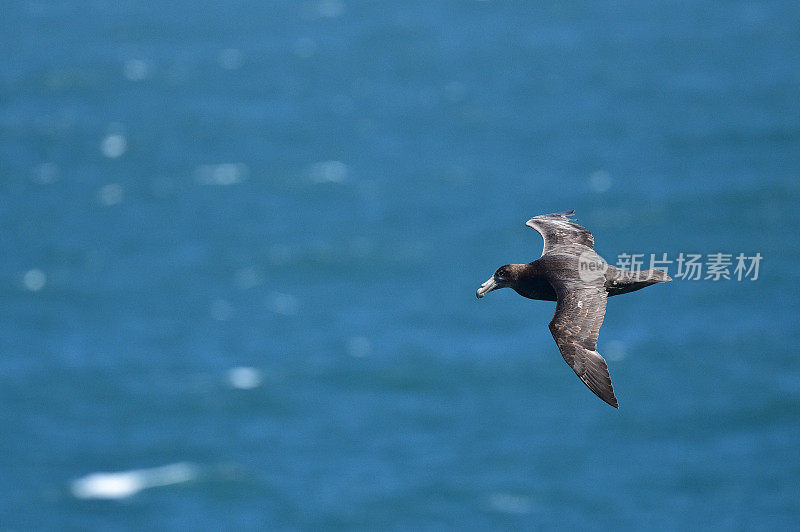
(658, 276)
(540, 217)
(606, 394)
(597, 378)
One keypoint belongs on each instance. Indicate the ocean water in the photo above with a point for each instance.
(241, 243)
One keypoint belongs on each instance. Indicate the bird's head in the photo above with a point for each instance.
(504, 276)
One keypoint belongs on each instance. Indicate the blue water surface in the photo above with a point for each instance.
(241, 242)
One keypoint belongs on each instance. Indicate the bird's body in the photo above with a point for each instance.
(534, 281)
(571, 273)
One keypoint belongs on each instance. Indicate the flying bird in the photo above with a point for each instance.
(573, 275)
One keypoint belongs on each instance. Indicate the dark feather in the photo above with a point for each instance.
(559, 230)
(575, 327)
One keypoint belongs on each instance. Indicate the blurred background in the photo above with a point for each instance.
(241, 243)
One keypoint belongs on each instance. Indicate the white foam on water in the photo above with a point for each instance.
(330, 8)
(246, 278)
(455, 91)
(114, 145)
(510, 504)
(34, 280)
(110, 194)
(123, 484)
(285, 304)
(614, 350)
(221, 174)
(244, 378)
(221, 310)
(359, 346)
(230, 59)
(329, 172)
(600, 181)
(46, 173)
(136, 69)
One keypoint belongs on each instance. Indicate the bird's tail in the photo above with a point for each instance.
(623, 281)
(654, 275)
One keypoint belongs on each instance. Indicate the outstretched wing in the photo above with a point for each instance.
(575, 326)
(559, 230)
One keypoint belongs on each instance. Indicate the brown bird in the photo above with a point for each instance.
(573, 275)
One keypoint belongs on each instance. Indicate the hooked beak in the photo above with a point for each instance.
(487, 287)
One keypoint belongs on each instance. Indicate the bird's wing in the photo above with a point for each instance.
(575, 326)
(559, 230)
